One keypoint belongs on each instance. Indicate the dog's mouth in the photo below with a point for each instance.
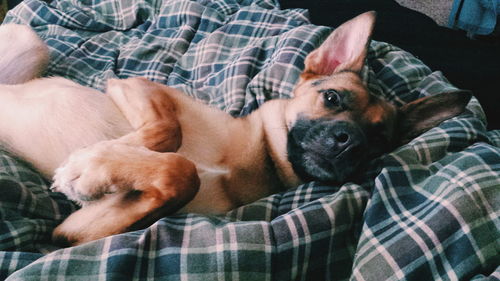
(325, 150)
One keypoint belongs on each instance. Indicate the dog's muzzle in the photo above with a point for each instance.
(326, 150)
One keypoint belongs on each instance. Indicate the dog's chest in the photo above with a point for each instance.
(212, 197)
(223, 189)
(231, 157)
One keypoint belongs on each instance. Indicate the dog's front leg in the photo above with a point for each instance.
(111, 167)
(150, 185)
(150, 111)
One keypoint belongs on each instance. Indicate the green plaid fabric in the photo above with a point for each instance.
(427, 211)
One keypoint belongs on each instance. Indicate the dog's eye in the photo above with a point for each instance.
(332, 98)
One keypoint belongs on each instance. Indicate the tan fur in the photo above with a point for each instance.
(146, 150)
(164, 180)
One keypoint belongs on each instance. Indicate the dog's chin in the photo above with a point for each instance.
(311, 166)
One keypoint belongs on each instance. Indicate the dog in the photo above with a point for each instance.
(145, 150)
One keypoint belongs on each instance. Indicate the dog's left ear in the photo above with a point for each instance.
(344, 49)
(423, 114)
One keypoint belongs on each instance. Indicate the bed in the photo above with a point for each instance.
(429, 210)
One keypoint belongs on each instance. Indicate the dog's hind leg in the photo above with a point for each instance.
(124, 182)
(24, 55)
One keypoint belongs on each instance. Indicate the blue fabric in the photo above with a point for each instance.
(477, 17)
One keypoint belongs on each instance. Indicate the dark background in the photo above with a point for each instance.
(468, 64)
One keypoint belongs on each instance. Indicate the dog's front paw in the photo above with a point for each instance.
(85, 176)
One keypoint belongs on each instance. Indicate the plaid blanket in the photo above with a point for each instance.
(427, 211)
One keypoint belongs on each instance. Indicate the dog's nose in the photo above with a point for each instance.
(343, 136)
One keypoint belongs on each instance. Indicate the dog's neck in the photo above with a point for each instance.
(272, 115)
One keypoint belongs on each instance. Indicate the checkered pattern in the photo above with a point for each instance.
(427, 211)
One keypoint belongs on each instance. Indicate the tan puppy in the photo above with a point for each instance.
(146, 150)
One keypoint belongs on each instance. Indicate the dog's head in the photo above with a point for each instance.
(335, 124)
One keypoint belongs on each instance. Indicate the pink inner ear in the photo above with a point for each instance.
(329, 65)
(338, 50)
(337, 53)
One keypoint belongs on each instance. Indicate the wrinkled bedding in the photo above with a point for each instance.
(427, 211)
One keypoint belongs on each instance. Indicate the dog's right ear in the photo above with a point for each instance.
(344, 49)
